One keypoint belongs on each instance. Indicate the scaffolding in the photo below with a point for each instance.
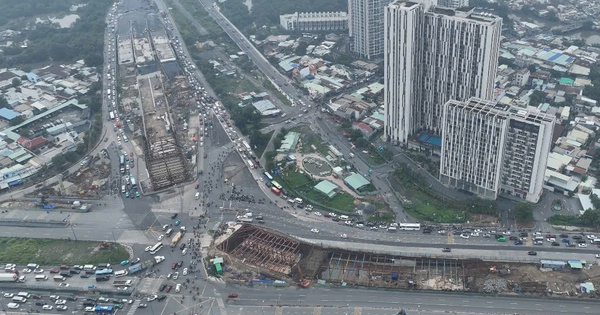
(264, 250)
(165, 162)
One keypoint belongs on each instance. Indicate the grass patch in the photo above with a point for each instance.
(269, 86)
(310, 139)
(263, 146)
(56, 252)
(341, 201)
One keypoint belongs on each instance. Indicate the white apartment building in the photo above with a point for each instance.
(314, 21)
(366, 27)
(434, 55)
(490, 149)
(472, 144)
(453, 4)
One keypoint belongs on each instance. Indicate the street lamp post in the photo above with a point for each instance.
(72, 230)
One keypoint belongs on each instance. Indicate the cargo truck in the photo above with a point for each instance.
(8, 277)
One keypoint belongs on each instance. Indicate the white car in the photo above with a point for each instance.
(185, 271)
(506, 233)
(465, 236)
(64, 285)
(9, 295)
(26, 270)
(333, 215)
(314, 230)
(103, 299)
(178, 287)
(344, 236)
(317, 213)
(61, 308)
(60, 302)
(582, 245)
(152, 298)
(38, 271)
(597, 255)
(160, 238)
(47, 307)
(475, 234)
(175, 275)
(148, 248)
(10, 266)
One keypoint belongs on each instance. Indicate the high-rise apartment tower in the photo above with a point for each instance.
(365, 25)
(433, 55)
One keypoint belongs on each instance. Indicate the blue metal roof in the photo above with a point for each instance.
(8, 114)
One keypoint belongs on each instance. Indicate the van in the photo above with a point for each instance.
(41, 278)
(344, 217)
(59, 278)
(19, 299)
(120, 273)
(169, 232)
(103, 266)
(89, 267)
(392, 229)
(24, 294)
(33, 266)
(197, 196)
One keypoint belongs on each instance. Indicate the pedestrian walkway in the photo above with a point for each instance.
(150, 285)
(134, 307)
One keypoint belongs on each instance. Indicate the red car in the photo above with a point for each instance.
(54, 270)
(169, 288)
(232, 295)
(64, 267)
(174, 266)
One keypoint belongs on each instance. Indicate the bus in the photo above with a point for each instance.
(104, 272)
(132, 181)
(111, 114)
(104, 309)
(154, 249)
(268, 176)
(246, 145)
(410, 226)
(276, 185)
(122, 160)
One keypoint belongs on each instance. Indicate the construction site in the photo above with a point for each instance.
(143, 56)
(253, 253)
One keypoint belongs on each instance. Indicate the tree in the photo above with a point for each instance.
(16, 121)
(524, 212)
(536, 98)
(16, 82)
(3, 102)
(301, 48)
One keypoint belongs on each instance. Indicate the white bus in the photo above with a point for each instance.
(154, 249)
(111, 114)
(409, 226)
(246, 146)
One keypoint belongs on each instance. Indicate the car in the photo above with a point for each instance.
(60, 302)
(174, 266)
(26, 270)
(151, 298)
(84, 276)
(148, 248)
(175, 275)
(137, 194)
(135, 261)
(178, 288)
(47, 307)
(577, 237)
(555, 244)
(344, 236)
(519, 243)
(38, 271)
(565, 240)
(162, 287)
(64, 285)
(169, 287)
(582, 245)
(61, 307)
(54, 297)
(177, 222)
(165, 227)
(126, 194)
(174, 215)
(232, 295)
(124, 262)
(446, 249)
(564, 235)
(532, 253)
(78, 267)
(475, 234)
(75, 272)
(160, 298)
(465, 236)
(598, 256)
(185, 271)
(40, 303)
(142, 305)
(314, 230)
(37, 297)
(9, 295)
(513, 238)
(317, 213)
(487, 235)
(103, 299)
(501, 239)
(182, 246)
(72, 298)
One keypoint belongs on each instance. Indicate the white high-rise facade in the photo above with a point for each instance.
(365, 25)
(490, 149)
(434, 55)
(453, 4)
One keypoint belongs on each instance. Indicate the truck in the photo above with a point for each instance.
(8, 277)
(145, 264)
(176, 238)
(122, 283)
(246, 220)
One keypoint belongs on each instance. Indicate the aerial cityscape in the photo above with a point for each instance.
(273, 157)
